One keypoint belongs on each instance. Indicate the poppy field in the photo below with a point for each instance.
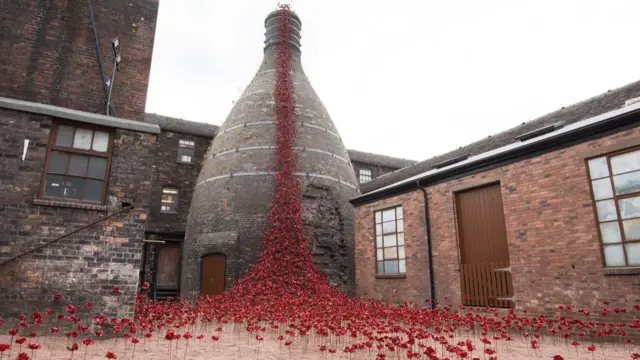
(284, 307)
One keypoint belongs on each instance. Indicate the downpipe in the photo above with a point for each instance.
(432, 281)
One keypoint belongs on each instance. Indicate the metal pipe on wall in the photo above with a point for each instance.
(432, 281)
(97, 47)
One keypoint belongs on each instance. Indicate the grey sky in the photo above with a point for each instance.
(406, 78)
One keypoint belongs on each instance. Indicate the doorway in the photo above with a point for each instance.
(212, 279)
(167, 271)
(484, 253)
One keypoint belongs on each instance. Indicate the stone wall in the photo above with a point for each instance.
(53, 57)
(554, 246)
(84, 266)
(324, 229)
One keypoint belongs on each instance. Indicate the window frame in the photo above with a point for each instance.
(176, 202)
(187, 147)
(51, 146)
(615, 198)
(375, 244)
(360, 170)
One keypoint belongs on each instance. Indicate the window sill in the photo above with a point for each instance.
(631, 270)
(184, 162)
(69, 204)
(391, 276)
(168, 212)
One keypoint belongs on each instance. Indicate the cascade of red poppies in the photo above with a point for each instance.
(286, 298)
(285, 268)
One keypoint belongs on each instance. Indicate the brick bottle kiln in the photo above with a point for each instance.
(228, 213)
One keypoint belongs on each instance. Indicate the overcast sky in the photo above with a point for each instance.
(405, 78)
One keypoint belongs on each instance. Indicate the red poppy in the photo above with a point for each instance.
(111, 355)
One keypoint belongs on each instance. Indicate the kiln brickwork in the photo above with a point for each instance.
(231, 202)
(53, 57)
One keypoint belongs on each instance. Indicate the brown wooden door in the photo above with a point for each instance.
(484, 252)
(168, 267)
(212, 274)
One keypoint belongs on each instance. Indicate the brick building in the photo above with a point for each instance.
(543, 214)
(89, 202)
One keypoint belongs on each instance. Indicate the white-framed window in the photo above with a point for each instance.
(186, 149)
(364, 175)
(615, 186)
(389, 232)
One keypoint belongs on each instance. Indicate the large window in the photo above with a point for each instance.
(77, 163)
(390, 255)
(615, 181)
(169, 200)
(364, 175)
(186, 149)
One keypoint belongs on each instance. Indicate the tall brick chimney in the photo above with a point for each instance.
(231, 200)
(49, 52)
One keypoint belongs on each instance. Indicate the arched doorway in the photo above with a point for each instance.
(212, 279)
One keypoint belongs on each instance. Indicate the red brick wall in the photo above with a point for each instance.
(554, 246)
(49, 53)
(415, 287)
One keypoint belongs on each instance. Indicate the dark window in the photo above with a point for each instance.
(364, 175)
(186, 149)
(78, 163)
(169, 200)
(390, 255)
(615, 184)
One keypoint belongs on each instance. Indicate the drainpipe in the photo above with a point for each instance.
(432, 282)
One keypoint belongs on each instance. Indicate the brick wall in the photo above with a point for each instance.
(169, 172)
(53, 58)
(553, 240)
(415, 286)
(84, 266)
(376, 170)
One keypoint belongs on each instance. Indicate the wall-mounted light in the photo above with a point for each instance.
(115, 43)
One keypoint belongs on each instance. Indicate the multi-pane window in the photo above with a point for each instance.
(169, 200)
(186, 149)
(390, 255)
(77, 163)
(615, 181)
(364, 175)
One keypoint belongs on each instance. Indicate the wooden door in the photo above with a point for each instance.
(168, 267)
(212, 280)
(484, 252)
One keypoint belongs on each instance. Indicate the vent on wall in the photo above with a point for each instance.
(541, 131)
(450, 161)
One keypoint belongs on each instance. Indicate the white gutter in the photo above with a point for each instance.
(513, 146)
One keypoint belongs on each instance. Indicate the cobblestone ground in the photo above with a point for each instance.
(240, 346)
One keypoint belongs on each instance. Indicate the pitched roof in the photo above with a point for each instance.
(181, 126)
(612, 99)
(381, 160)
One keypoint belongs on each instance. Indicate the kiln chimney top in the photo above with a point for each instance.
(272, 26)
